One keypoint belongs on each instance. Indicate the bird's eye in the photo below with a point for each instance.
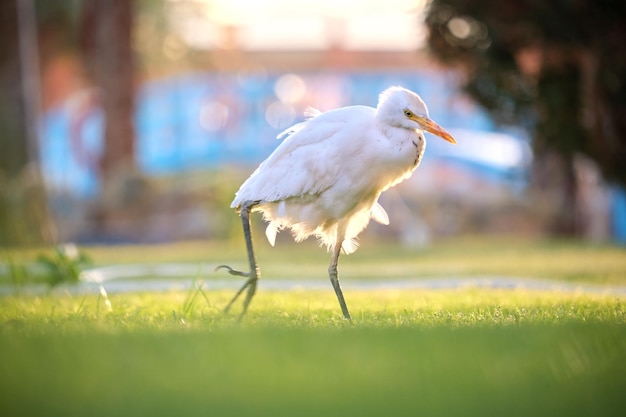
(408, 113)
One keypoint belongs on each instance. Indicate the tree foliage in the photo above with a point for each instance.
(557, 67)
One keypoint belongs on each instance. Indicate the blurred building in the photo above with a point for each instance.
(210, 120)
(256, 79)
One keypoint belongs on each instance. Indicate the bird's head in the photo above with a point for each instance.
(400, 107)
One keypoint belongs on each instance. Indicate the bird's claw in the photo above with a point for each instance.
(233, 271)
(250, 285)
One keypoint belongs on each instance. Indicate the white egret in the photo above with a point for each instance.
(325, 178)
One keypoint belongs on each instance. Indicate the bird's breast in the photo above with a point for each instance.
(407, 151)
(403, 154)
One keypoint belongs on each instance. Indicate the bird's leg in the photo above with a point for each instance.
(334, 279)
(255, 273)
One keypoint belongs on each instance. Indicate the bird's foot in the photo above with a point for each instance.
(250, 285)
(233, 271)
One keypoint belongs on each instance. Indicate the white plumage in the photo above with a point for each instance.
(325, 178)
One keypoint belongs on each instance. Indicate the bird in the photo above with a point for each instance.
(324, 179)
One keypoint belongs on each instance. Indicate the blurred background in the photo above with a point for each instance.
(135, 121)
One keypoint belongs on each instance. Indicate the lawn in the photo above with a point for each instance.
(450, 352)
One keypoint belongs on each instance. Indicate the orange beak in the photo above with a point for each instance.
(432, 127)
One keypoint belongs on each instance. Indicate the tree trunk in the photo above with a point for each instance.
(13, 144)
(107, 48)
(107, 45)
(24, 218)
(115, 78)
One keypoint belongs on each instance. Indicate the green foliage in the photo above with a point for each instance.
(190, 303)
(17, 273)
(556, 67)
(64, 266)
(23, 208)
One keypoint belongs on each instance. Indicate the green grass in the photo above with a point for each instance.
(561, 260)
(549, 259)
(435, 353)
(466, 352)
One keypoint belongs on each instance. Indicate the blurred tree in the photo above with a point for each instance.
(104, 27)
(99, 32)
(23, 210)
(14, 147)
(106, 32)
(106, 42)
(557, 67)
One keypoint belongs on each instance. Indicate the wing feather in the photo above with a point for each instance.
(309, 160)
(379, 214)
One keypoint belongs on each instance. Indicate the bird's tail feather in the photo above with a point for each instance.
(349, 246)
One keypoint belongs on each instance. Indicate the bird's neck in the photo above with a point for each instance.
(404, 150)
(406, 143)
